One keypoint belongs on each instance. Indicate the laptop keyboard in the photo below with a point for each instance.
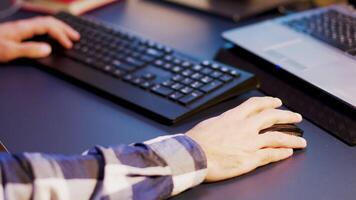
(331, 26)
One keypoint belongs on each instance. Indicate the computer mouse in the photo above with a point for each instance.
(290, 129)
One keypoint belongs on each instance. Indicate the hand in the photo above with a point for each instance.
(233, 145)
(12, 35)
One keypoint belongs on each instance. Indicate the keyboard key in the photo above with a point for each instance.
(206, 63)
(134, 62)
(108, 68)
(118, 73)
(197, 76)
(154, 52)
(167, 50)
(235, 73)
(216, 74)
(187, 81)
(168, 83)
(159, 63)
(149, 76)
(197, 67)
(168, 66)
(116, 63)
(126, 67)
(206, 71)
(177, 69)
(177, 61)
(146, 58)
(191, 97)
(128, 77)
(224, 69)
(215, 66)
(196, 84)
(211, 86)
(177, 77)
(187, 72)
(226, 78)
(161, 90)
(206, 79)
(186, 64)
(186, 90)
(99, 65)
(146, 85)
(177, 86)
(137, 81)
(168, 58)
(175, 95)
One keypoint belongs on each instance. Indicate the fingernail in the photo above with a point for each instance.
(300, 116)
(290, 152)
(69, 45)
(279, 101)
(45, 49)
(77, 35)
(304, 142)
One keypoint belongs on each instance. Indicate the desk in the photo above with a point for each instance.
(40, 112)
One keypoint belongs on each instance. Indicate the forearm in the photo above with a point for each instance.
(155, 169)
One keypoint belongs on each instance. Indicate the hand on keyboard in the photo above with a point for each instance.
(233, 145)
(12, 35)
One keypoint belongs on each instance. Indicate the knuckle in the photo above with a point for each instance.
(269, 112)
(49, 18)
(39, 19)
(253, 100)
(17, 24)
(278, 139)
(267, 158)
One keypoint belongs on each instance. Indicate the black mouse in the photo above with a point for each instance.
(290, 129)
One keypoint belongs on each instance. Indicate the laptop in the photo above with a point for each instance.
(318, 46)
(236, 10)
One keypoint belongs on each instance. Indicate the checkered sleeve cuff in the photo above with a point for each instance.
(185, 159)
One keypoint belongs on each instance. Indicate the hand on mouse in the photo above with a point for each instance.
(13, 34)
(233, 145)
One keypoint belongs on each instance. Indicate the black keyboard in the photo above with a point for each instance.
(150, 77)
(331, 26)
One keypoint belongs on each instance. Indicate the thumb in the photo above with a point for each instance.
(32, 50)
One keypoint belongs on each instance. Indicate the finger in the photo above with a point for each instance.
(58, 32)
(40, 26)
(72, 34)
(30, 50)
(279, 140)
(255, 105)
(269, 155)
(269, 117)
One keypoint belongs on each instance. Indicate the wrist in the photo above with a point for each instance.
(184, 157)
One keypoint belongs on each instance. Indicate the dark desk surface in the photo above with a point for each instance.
(40, 112)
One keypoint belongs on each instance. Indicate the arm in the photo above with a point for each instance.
(216, 149)
(149, 170)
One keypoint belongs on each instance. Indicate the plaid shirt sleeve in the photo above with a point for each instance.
(155, 169)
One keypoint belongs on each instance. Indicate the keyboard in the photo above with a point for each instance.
(330, 26)
(144, 75)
